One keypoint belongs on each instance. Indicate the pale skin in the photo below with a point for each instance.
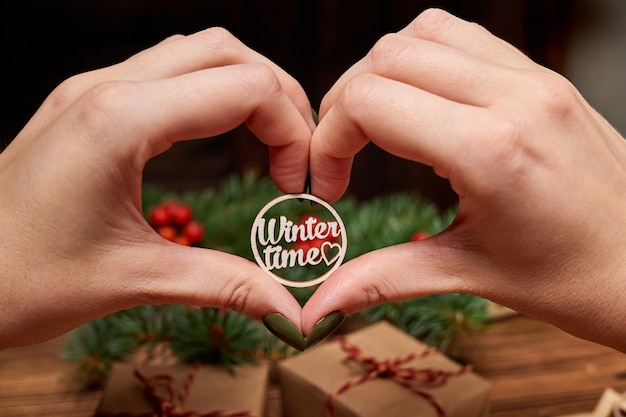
(541, 179)
(74, 244)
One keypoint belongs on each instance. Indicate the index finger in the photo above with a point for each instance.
(407, 122)
(175, 56)
(444, 29)
(135, 121)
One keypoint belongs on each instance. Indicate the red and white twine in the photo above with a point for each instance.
(169, 403)
(414, 379)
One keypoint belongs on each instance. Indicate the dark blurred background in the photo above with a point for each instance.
(44, 42)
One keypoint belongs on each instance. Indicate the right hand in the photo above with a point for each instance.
(540, 175)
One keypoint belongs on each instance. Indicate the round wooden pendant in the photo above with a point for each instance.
(298, 244)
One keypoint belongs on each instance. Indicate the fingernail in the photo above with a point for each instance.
(324, 328)
(285, 330)
(316, 118)
(307, 184)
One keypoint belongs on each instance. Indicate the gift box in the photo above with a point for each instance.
(379, 371)
(190, 391)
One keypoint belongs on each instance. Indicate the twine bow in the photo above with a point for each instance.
(159, 390)
(411, 378)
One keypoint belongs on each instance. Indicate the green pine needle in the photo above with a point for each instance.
(435, 319)
(210, 335)
(94, 347)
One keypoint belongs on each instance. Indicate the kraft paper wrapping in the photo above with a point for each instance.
(307, 380)
(213, 388)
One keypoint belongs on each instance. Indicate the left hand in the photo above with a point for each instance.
(74, 243)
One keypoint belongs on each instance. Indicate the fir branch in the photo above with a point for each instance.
(211, 335)
(94, 347)
(214, 336)
(435, 319)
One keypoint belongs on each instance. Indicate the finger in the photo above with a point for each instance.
(167, 273)
(144, 270)
(441, 27)
(177, 55)
(395, 273)
(210, 48)
(143, 119)
(441, 70)
(407, 122)
(443, 46)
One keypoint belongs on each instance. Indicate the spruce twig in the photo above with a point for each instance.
(212, 335)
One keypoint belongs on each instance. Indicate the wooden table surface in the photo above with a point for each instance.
(535, 370)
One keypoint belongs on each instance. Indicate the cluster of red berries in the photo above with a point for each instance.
(174, 221)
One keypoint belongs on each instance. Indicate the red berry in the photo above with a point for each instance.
(419, 236)
(181, 214)
(306, 217)
(168, 232)
(170, 205)
(317, 219)
(159, 216)
(308, 244)
(194, 231)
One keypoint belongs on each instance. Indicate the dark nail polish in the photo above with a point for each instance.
(316, 118)
(285, 330)
(324, 328)
(307, 184)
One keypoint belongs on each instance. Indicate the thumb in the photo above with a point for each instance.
(174, 273)
(395, 273)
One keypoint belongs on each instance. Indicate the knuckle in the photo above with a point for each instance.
(386, 52)
(238, 295)
(105, 103)
(507, 148)
(174, 37)
(506, 144)
(65, 92)
(514, 143)
(266, 78)
(375, 290)
(504, 140)
(357, 92)
(557, 97)
(219, 41)
(258, 82)
(432, 21)
(373, 295)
